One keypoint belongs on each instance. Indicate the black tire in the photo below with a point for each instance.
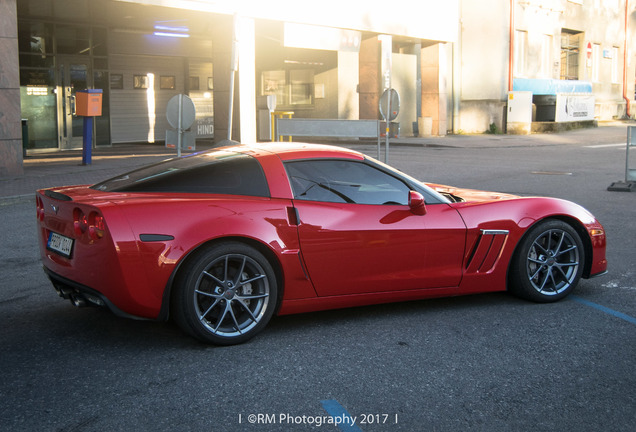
(225, 294)
(548, 262)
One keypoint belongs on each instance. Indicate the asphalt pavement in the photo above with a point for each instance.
(488, 362)
(61, 168)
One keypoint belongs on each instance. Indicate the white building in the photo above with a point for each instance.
(548, 47)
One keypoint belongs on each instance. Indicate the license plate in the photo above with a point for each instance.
(60, 244)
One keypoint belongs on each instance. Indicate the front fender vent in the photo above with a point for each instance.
(486, 251)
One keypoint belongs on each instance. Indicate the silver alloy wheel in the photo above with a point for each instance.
(552, 262)
(231, 295)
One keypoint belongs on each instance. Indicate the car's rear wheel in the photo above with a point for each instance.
(226, 294)
(548, 263)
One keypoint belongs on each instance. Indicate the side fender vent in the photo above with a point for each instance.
(487, 251)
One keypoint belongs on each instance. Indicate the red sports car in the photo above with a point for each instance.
(222, 240)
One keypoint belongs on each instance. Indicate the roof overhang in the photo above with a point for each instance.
(423, 19)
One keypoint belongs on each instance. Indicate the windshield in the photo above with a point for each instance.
(431, 195)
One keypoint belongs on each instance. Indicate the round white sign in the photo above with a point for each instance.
(395, 104)
(187, 110)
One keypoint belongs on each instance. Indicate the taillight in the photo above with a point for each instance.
(96, 225)
(80, 221)
(39, 207)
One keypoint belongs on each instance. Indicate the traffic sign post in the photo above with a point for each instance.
(390, 104)
(181, 114)
(389, 108)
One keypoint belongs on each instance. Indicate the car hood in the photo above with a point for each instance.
(469, 195)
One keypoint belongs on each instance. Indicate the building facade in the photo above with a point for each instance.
(546, 47)
(452, 63)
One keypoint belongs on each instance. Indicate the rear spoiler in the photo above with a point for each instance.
(56, 195)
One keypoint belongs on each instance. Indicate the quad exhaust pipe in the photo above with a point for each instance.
(77, 298)
(78, 301)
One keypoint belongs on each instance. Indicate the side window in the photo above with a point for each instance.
(229, 174)
(344, 181)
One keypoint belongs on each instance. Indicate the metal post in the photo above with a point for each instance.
(233, 68)
(387, 69)
(231, 107)
(179, 126)
(630, 129)
(388, 128)
(275, 125)
(87, 140)
(629, 185)
(379, 141)
(630, 173)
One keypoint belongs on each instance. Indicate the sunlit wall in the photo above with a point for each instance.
(423, 19)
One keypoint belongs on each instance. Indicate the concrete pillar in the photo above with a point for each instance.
(244, 107)
(221, 58)
(369, 86)
(434, 91)
(10, 125)
(247, 79)
(348, 78)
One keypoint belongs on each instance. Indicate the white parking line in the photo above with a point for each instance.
(606, 145)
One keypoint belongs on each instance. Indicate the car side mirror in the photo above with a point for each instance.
(417, 204)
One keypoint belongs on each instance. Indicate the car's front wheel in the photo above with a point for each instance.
(548, 262)
(226, 294)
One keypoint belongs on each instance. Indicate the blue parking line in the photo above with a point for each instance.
(346, 423)
(605, 309)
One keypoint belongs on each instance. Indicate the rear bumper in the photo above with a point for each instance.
(79, 293)
(603, 273)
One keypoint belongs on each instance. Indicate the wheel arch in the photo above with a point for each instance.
(585, 239)
(572, 222)
(268, 253)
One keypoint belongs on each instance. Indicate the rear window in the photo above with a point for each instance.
(215, 172)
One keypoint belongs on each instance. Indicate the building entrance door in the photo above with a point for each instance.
(73, 75)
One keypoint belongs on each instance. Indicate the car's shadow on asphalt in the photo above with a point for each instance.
(393, 314)
(76, 329)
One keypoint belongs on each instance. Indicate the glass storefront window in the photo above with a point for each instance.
(293, 88)
(35, 37)
(72, 40)
(36, 61)
(38, 106)
(301, 87)
(99, 42)
(275, 83)
(56, 59)
(37, 77)
(200, 89)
